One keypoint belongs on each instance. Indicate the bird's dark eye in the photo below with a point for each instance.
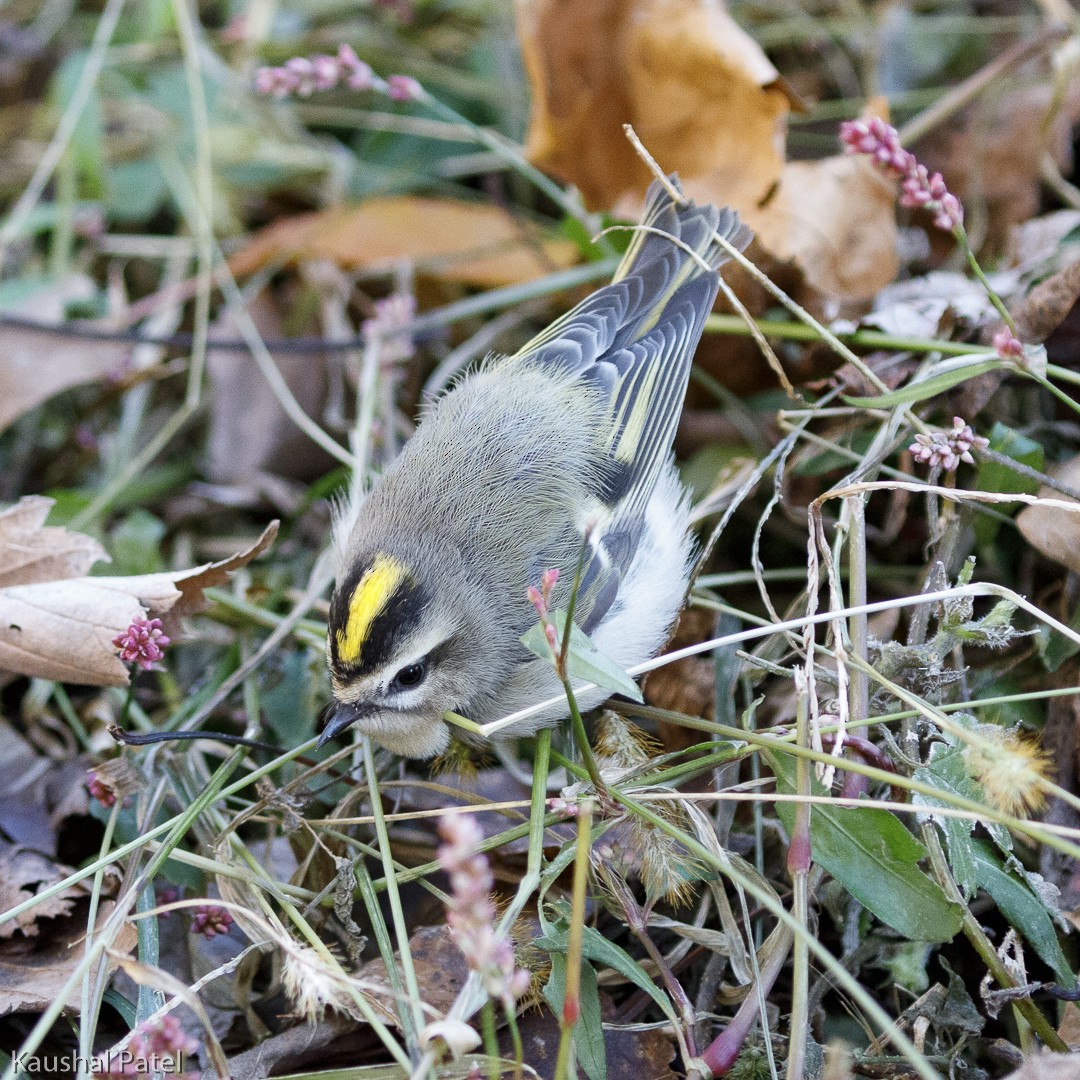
(409, 676)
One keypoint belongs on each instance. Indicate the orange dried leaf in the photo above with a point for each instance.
(699, 91)
(707, 103)
(470, 243)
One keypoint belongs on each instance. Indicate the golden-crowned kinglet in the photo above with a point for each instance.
(506, 476)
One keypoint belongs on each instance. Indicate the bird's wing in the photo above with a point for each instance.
(633, 341)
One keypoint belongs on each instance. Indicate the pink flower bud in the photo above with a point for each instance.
(403, 88)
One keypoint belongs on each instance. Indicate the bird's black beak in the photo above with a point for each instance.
(340, 716)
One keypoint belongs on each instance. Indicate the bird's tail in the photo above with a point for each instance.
(676, 226)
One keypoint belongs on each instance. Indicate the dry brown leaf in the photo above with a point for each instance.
(39, 949)
(997, 152)
(44, 796)
(1051, 531)
(1069, 1027)
(34, 365)
(23, 873)
(249, 431)
(631, 1053)
(62, 629)
(440, 966)
(317, 1045)
(699, 91)
(1044, 309)
(471, 243)
(835, 219)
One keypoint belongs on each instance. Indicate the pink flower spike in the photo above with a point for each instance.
(403, 88)
(325, 72)
(950, 214)
(168, 1038)
(878, 139)
(945, 450)
(142, 643)
(357, 75)
(265, 81)
(471, 912)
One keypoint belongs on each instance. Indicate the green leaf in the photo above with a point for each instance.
(975, 364)
(1025, 911)
(135, 190)
(876, 859)
(585, 661)
(948, 772)
(588, 1033)
(88, 139)
(600, 950)
(1054, 647)
(288, 704)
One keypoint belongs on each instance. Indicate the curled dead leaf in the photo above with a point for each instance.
(1044, 309)
(835, 219)
(22, 873)
(31, 551)
(63, 628)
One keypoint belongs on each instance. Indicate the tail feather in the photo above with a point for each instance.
(693, 228)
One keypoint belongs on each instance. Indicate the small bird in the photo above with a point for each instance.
(521, 466)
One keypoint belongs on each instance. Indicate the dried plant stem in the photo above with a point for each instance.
(858, 631)
(637, 922)
(86, 1010)
(177, 828)
(982, 588)
(767, 900)
(978, 810)
(720, 1054)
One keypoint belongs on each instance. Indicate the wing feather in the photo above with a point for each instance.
(632, 343)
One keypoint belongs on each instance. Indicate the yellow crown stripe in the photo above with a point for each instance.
(369, 598)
